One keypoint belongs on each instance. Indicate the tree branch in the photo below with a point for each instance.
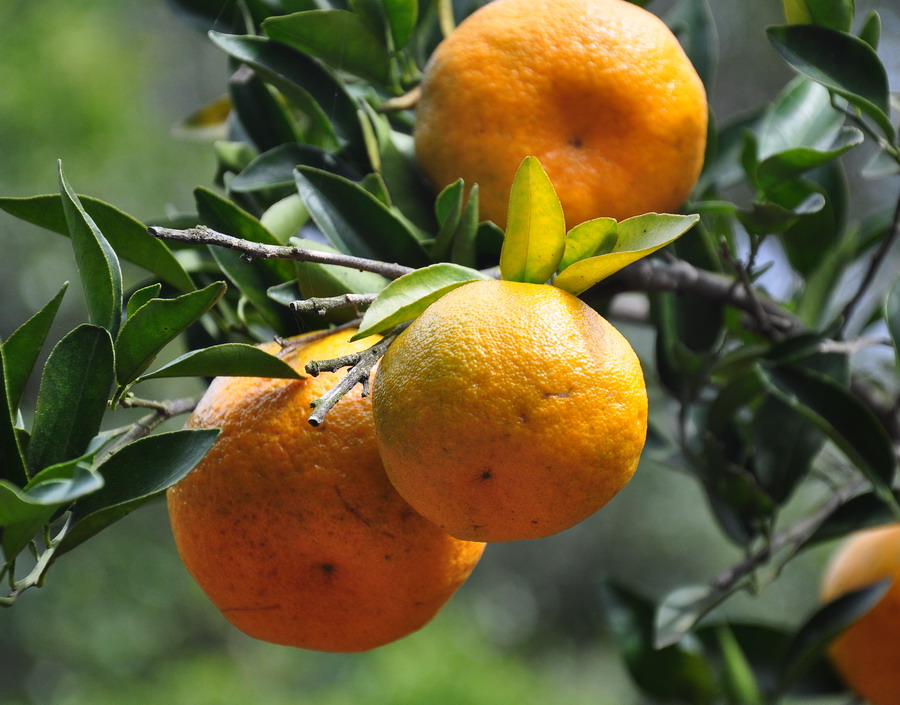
(323, 305)
(201, 235)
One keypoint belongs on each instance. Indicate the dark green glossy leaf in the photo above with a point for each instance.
(826, 623)
(266, 120)
(401, 16)
(800, 116)
(769, 218)
(347, 215)
(22, 348)
(864, 511)
(680, 611)
(155, 325)
(141, 297)
(306, 83)
(101, 277)
(406, 297)
(464, 249)
(536, 227)
(226, 360)
(72, 398)
(275, 168)
(892, 316)
(341, 39)
(127, 236)
(870, 32)
(253, 281)
(791, 163)
(12, 459)
(133, 476)
(834, 14)
(448, 207)
(842, 416)
(679, 672)
(842, 63)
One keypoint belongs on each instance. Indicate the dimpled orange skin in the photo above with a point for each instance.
(294, 532)
(599, 91)
(509, 411)
(866, 654)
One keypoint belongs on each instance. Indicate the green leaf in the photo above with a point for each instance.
(834, 14)
(848, 422)
(127, 235)
(347, 215)
(864, 511)
(340, 38)
(265, 119)
(402, 16)
(141, 297)
(536, 227)
(286, 217)
(98, 265)
(870, 32)
(739, 679)
(593, 237)
(73, 396)
(793, 162)
(22, 348)
(826, 623)
(155, 325)
(406, 297)
(320, 280)
(637, 237)
(306, 83)
(844, 64)
(692, 22)
(226, 360)
(681, 610)
(800, 116)
(275, 168)
(134, 475)
(464, 249)
(892, 316)
(448, 207)
(765, 218)
(12, 459)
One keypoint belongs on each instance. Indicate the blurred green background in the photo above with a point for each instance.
(99, 84)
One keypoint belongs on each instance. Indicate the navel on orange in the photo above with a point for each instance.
(600, 91)
(509, 411)
(294, 532)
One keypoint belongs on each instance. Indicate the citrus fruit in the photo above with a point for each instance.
(865, 654)
(294, 532)
(600, 91)
(509, 411)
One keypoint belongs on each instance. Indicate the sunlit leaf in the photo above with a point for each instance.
(98, 265)
(226, 360)
(340, 38)
(535, 229)
(406, 297)
(73, 396)
(593, 237)
(636, 238)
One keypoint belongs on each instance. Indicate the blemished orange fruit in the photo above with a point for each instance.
(866, 654)
(509, 411)
(600, 91)
(293, 531)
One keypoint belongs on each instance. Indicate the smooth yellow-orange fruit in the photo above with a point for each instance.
(866, 654)
(509, 411)
(599, 91)
(294, 532)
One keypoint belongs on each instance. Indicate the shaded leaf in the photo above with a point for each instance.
(155, 325)
(347, 215)
(827, 622)
(834, 14)
(406, 297)
(848, 422)
(128, 236)
(401, 16)
(101, 277)
(22, 348)
(536, 227)
(12, 459)
(141, 297)
(637, 237)
(226, 360)
(692, 22)
(681, 610)
(318, 280)
(275, 168)
(464, 249)
(448, 207)
(738, 678)
(134, 475)
(864, 511)
(870, 32)
(73, 396)
(842, 63)
(892, 316)
(768, 218)
(340, 38)
(792, 162)
(265, 119)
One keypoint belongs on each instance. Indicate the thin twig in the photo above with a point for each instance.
(874, 264)
(362, 364)
(322, 305)
(162, 411)
(201, 235)
(407, 101)
(307, 338)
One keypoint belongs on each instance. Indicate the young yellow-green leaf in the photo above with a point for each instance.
(637, 238)
(593, 237)
(406, 297)
(535, 227)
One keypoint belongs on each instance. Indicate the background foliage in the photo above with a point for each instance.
(120, 617)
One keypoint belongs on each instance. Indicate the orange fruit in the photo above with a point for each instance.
(600, 91)
(509, 411)
(294, 532)
(865, 654)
